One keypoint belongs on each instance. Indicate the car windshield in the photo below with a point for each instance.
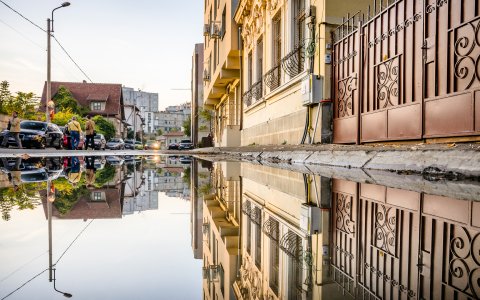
(33, 126)
(115, 141)
(98, 137)
(185, 141)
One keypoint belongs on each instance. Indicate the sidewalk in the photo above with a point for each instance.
(453, 161)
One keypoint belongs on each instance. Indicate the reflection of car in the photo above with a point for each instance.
(99, 163)
(185, 159)
(37, 134)
(129, 157)
(99, 141)
(115, 144)
(173, 146)
(152, 145)
(67, 140)
(115, 160)
(185, 144)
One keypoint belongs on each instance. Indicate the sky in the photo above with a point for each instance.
(145, 44)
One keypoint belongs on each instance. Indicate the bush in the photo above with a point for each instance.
(104, 127)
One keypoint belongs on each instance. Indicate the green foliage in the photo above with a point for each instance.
(129, 133)
(205, 114)
(159, 131)
(62, 117)
(186, 126)
(186, 175)
(105, 175)
(64, 100)
(206, 189)
(25, 197)
(5, 94)
(66, 197)
(104, 127)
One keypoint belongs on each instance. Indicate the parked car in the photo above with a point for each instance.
(99, 141)
(173, 146)
(67, 139)
(115, 160)
(138, 145)
(115, 144)
(152, 145)
(185, 144)
(130, 144)
(37, 134)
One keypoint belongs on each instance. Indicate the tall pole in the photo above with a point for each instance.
(48, 96)
(50, 248)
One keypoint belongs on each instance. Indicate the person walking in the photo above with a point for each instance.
(14, 131)
(89, 133)
(75, 129)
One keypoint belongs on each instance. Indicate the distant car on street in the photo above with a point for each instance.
(37, 134)
(115, 160)
(130, 144)
(185, 145)
(173, 146)
(152, 145)
(115, 144)
(138, 145)
(99, 141)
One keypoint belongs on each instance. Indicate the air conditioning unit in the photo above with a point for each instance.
(215, 30)
(311, 90)
(206, 29)
(205, 272)
(214, 272)
(206, 75)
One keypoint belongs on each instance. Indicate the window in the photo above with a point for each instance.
(249, 236)
(98, 196)
(249, 71)
(224, 21)
(96, 105)
(258, 238)
(277, 39)
(299, 16)
(295, 271)
(259, 62)
(274, 256)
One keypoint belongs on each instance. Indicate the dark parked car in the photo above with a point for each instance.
(173, 146)
(115, 144)
(129, 144)
(185, 144)
(99, 141)
(37, 134)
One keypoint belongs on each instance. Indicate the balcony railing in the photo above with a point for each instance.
(294, 62)
(272, 77)
(257, 90)
(247, 98)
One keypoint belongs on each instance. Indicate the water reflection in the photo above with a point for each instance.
(271, 233)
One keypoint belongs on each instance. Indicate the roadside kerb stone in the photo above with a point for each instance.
(349, 159)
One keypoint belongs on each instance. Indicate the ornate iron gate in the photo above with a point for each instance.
(412, 71)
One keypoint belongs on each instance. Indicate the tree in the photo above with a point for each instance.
(104, 127)
(62, 117)
(23, 103)
(186, 125)
(64, 100)
(5, 94)
(129, 133)
(159, 131)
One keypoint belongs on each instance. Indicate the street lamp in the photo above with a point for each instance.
(48, 97)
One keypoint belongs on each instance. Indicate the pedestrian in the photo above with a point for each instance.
(75, 129)
(13, 131)
(89, 133)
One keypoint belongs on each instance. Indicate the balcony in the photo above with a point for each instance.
(253, 94)
(272, 77)
(294, 62)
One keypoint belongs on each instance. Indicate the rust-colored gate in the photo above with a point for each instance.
(411, 71)
(397, 244)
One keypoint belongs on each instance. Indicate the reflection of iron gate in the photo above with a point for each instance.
(409, 72)
(403, 244)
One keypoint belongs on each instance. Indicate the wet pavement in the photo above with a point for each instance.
(176, 227)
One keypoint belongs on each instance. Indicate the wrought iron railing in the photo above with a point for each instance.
(294, 62)
(272, 77)
(257, 90)
(247, 98)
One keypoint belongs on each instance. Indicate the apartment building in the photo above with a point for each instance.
(143, 105)
(222, 91)
(172, 118)
(286, 65)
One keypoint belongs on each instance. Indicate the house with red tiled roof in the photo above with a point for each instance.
(105, 99)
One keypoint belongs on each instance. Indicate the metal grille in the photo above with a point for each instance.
(299, 21)
(293, 62)
(291, 244)
(271, 229)
(257, 90)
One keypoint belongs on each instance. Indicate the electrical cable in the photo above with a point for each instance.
(24, 284)
(71, 58)
(75, 239)
(23, 17)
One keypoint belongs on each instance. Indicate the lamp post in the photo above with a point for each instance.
(48, 97)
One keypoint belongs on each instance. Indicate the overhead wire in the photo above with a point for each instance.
(56, 40)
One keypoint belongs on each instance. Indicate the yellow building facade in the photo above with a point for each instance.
(222, 92)
(286, 72)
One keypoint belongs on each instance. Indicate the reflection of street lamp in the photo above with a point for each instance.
(50, 200)
(48, 97)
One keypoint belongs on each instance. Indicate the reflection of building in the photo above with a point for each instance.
(281, 233)
(139, 194)
(221, 220)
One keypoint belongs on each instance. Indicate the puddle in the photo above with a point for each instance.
(160, 227)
